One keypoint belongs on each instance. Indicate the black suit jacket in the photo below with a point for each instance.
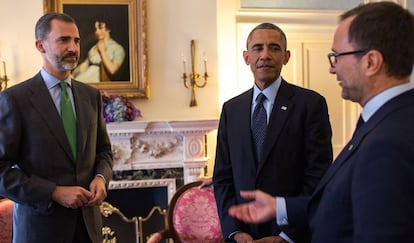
(367, 195)
(35, 156)
(297, 151)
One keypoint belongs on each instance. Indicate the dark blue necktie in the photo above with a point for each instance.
(360, 122)
(259, 124)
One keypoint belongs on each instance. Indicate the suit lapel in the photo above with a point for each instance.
(83, 116)
(346, 152)
(242, 113)
(44, 105)
(278, 117)
(244, 116)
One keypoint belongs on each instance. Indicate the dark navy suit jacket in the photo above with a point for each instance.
(297, 151)
(367, 195)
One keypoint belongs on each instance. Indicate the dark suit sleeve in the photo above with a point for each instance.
(297, 210)
(14, 183)
(318, 146)
(223, 181)
(318, 157)
(103, 161)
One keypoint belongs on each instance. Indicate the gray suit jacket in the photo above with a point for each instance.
(35, 156)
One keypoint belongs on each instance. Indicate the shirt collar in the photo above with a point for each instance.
(270, 92)
(51, 81)
(380, 99)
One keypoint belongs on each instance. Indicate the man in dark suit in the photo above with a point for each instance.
(297, 145)
(57, 179)
(367, 195)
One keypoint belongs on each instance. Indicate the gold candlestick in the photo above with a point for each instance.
(3, 77)
(191, 80)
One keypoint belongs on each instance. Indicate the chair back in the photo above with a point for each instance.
(6, 220)
(116, 227)
(193, 215)
(156, 220)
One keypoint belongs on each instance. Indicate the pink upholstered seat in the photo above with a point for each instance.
(192, 216)
(6, 220)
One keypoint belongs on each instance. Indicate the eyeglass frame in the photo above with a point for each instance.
(338, 54)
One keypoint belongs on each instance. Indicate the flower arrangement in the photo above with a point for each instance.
(118, 108)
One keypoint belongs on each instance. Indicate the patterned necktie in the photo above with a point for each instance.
(68, 118)
(259, 124)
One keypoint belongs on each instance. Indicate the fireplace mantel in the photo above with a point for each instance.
(141, 145)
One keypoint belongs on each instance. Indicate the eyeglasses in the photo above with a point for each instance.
(332, 57)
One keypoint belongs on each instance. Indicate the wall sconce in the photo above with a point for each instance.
(3, 76)
(193, 77)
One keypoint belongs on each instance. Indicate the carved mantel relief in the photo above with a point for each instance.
(161, 145)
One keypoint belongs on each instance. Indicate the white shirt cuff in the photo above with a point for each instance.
(285, 237)
(281, 212)
(103, 177)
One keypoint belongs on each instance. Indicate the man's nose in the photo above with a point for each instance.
(73, 46)
(265, 53)
(332, 70)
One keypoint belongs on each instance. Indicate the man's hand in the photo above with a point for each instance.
(98, 191)
(205, 182)
(242, 237)
(71, 196)
(261, 209)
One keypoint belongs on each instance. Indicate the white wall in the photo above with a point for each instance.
(17, 46)
(171, 26)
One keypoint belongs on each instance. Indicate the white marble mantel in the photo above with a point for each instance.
(142, 145)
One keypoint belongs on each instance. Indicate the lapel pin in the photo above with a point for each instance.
(350, 147)
(283, 108)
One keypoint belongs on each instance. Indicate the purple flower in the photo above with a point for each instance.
(118, 108)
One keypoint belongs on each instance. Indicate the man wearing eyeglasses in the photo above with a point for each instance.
(367, 195)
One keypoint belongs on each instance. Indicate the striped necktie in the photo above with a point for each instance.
(68, 118)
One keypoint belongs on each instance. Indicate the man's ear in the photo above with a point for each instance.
(39, 46)
(374, 62)
(287, 57)
(246, 57)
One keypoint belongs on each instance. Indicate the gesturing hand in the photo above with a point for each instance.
(261, 209)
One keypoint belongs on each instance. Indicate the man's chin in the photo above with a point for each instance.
(267, 80)
(70, 66)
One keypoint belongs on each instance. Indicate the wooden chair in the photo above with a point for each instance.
(116, 227)
(6, 220)
(192, 216)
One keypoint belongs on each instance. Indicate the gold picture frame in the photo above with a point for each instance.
(128, 19)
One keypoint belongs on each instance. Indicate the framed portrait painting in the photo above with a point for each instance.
(113, 44)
